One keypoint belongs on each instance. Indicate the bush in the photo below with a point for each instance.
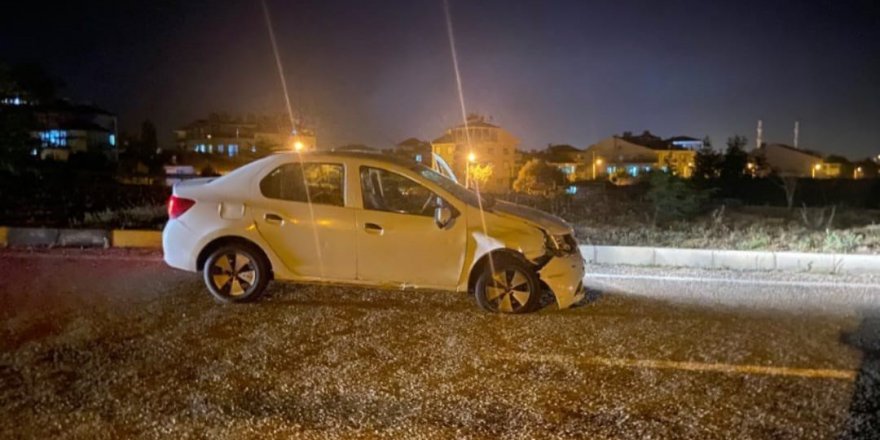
(539, 177)
(674, 198)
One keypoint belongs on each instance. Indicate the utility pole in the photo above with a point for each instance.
(759, 139)
(797, 129)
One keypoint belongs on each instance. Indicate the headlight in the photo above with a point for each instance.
(561, 244)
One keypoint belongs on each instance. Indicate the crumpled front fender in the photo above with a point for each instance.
(565, 275)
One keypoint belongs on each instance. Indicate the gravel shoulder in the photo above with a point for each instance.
(129, 348)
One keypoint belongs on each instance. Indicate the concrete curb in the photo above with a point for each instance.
(32, 237)
(626, 255)
(737, 260)
(51, 237)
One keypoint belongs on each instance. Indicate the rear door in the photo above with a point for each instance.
(398, 241)
(304, 218)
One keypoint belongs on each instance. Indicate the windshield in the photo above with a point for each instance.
(460, 192)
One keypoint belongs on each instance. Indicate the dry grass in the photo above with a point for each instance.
(738, 229)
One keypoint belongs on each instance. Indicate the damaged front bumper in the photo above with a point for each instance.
(564, 275)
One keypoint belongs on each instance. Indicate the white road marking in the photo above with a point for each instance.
(812, 373)
(742, 280)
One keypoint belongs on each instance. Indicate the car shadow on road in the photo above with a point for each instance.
(863, 421)
(367, 298)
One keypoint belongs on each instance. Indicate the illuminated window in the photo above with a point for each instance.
(13, 101)
(324, 180)
(54, 138)
(387, 191)
(113, 140)
(418, 158)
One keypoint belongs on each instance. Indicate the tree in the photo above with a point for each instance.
(733, 165)
(674, 198)
(480, 173)
(539, 177)
(735, 160)
(149, 142)
(707, 162)
(16, 141)
(28, 82)
(789, 186)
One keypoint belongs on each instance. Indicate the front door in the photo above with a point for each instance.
(305, 221)
(398, 241)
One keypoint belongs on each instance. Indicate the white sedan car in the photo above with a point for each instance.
(366, 219)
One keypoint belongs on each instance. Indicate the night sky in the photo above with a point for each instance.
(551, 72)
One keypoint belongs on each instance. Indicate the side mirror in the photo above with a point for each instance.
(443, 215)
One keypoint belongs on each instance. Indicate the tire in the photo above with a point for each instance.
(515, 288)
(236, 273)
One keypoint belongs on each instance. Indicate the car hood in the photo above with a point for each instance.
(548, 222)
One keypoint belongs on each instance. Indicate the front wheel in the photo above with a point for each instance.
(236, 273)
(508, 285)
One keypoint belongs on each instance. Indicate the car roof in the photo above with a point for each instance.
(362, 155)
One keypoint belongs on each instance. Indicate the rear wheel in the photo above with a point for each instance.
(508, 285)
(236, 273)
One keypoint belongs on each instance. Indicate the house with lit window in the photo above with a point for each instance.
(414, 149)
(686, 142)
(63, 128)
(629, 156)
(789, 161)
(251, 136)
(480, 143)
(571, 161)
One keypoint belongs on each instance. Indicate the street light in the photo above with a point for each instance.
(817, 167)
(471, 158)
(298, 146)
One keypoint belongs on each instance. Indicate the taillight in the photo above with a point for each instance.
(178, 205)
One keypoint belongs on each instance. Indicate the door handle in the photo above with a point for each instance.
(373, 228)
(272, 218)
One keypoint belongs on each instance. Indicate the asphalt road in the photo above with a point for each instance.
(113, 344)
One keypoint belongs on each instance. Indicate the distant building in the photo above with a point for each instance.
(489, 144)
(250, 135)
(789, 161)
(62, 128)
(414, 149)
(569, 160)
(686, 142)
(629, 156)
(178, 173)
